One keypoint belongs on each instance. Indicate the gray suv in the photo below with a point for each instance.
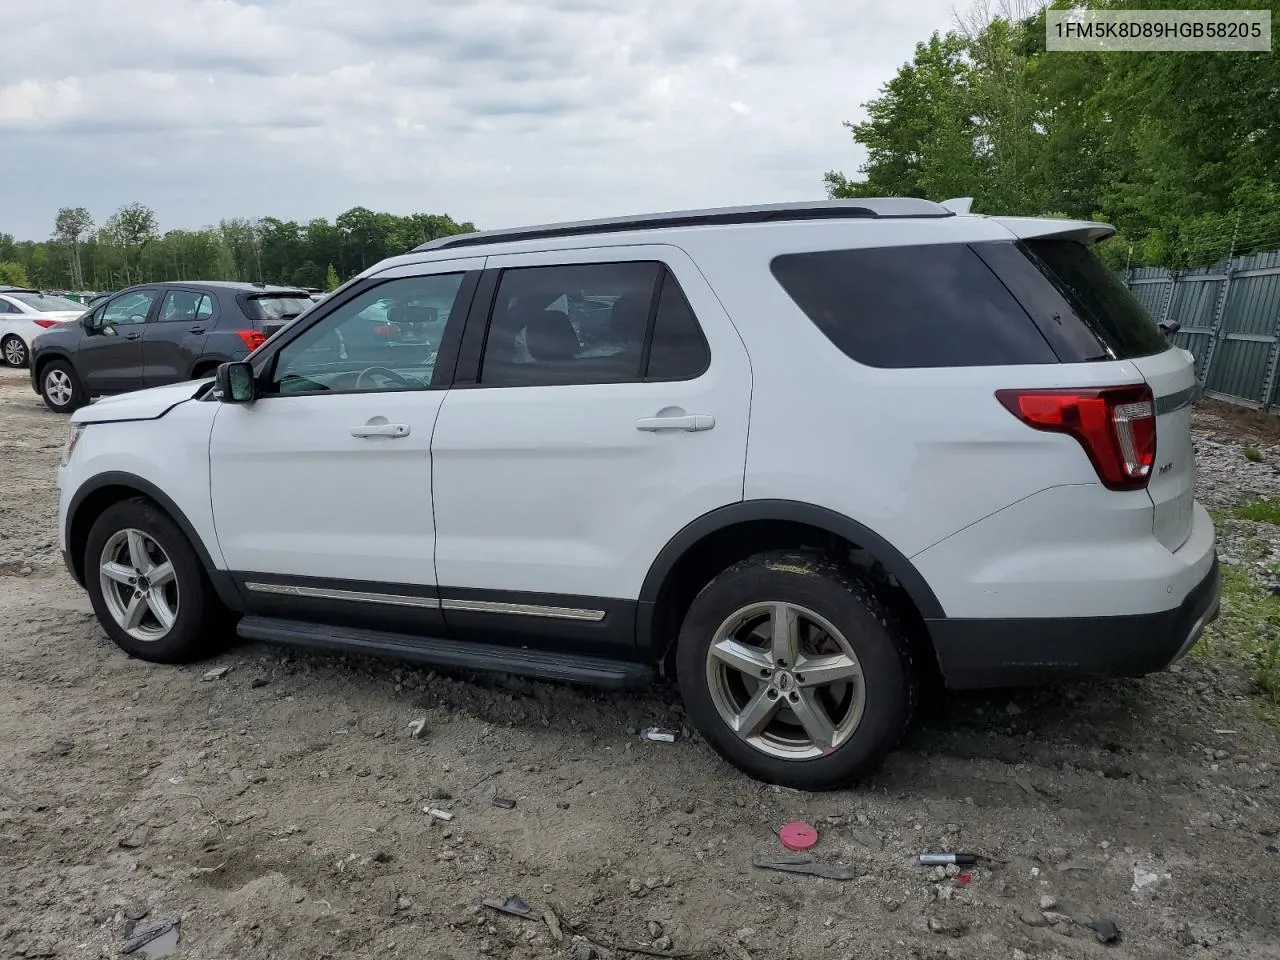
(157, 333)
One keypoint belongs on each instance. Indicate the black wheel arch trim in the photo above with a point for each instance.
(894, 561)
(223, 584)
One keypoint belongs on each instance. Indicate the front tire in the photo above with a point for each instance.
(148, 587)
(795, 671)
(14, 351)
(60, 388)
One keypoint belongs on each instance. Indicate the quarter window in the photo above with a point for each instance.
(591, 323)
(385, 338)
(912, 306)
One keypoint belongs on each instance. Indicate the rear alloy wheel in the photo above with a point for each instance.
(148, 587)
(14, 351)
(60, 388)
(795, 672)
(785, 680)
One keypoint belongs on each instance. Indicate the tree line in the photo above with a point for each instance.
(128, 248)
(1180, 151)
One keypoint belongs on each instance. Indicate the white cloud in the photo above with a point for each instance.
(497, 111)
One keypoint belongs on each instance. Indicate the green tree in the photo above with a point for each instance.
(129, 248)
(1180, 151)
(69, 228)
(13, 274)
(331, 281)
(131, 227)
(919, 132)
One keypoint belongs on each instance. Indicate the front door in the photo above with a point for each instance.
(321, 487)
(109, 357)
(175, 336)
(610, 409)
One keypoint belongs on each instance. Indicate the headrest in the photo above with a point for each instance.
(550, 336)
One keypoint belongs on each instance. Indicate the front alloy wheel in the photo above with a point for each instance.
(148, 586)
(139, 586)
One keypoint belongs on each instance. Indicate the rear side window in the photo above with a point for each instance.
(596, 323)
(1097, 298)
(935, 305)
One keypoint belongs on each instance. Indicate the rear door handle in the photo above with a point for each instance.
(131, 336)
(393, 430)
(196, 330)
(690, 424)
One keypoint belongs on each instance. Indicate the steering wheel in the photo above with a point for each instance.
(363, 382)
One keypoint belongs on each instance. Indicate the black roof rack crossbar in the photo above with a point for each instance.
(890, 208)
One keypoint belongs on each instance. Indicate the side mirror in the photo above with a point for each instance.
(87, 322)
(233, 382)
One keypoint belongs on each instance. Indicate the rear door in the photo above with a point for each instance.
(109, 357)
(600, 407)
(175, 336)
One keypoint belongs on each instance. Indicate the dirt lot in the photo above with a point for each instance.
(277, 811)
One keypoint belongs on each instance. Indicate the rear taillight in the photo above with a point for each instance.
(46, 324)
(253, 339)
(1115, 425)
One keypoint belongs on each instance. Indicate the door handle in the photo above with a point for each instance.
(393, 430)
(196, 330)
(690, 424)
(131, 336)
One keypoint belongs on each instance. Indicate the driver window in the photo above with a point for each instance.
(130, 308)
(384, 339)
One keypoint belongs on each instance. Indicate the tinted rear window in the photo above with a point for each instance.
(277, 307)
(1097, 297)
(937, 305)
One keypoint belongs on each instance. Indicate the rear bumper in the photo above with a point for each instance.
(1029, 652)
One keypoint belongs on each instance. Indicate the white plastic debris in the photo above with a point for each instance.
(437, 814)
(658, 734)
(1144, 876)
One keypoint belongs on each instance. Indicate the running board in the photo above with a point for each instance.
(491, 658)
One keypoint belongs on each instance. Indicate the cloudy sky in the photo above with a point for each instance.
(502, 112)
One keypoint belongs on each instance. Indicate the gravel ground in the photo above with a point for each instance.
(276, 811)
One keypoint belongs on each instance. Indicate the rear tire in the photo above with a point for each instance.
(815, 703)
(61, 388)
(148, 587)
(14, 350)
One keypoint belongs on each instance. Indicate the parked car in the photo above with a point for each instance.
(24, 315)
(812, 454)
(157, 333)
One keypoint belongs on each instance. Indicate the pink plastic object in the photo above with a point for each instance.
(797, 835)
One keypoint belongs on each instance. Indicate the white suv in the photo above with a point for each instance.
(799, 456)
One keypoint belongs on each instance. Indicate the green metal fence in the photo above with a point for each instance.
(1230, 319)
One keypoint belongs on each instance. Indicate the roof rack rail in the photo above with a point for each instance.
(871, 208)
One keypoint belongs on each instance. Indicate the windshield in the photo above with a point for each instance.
(48, 304)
